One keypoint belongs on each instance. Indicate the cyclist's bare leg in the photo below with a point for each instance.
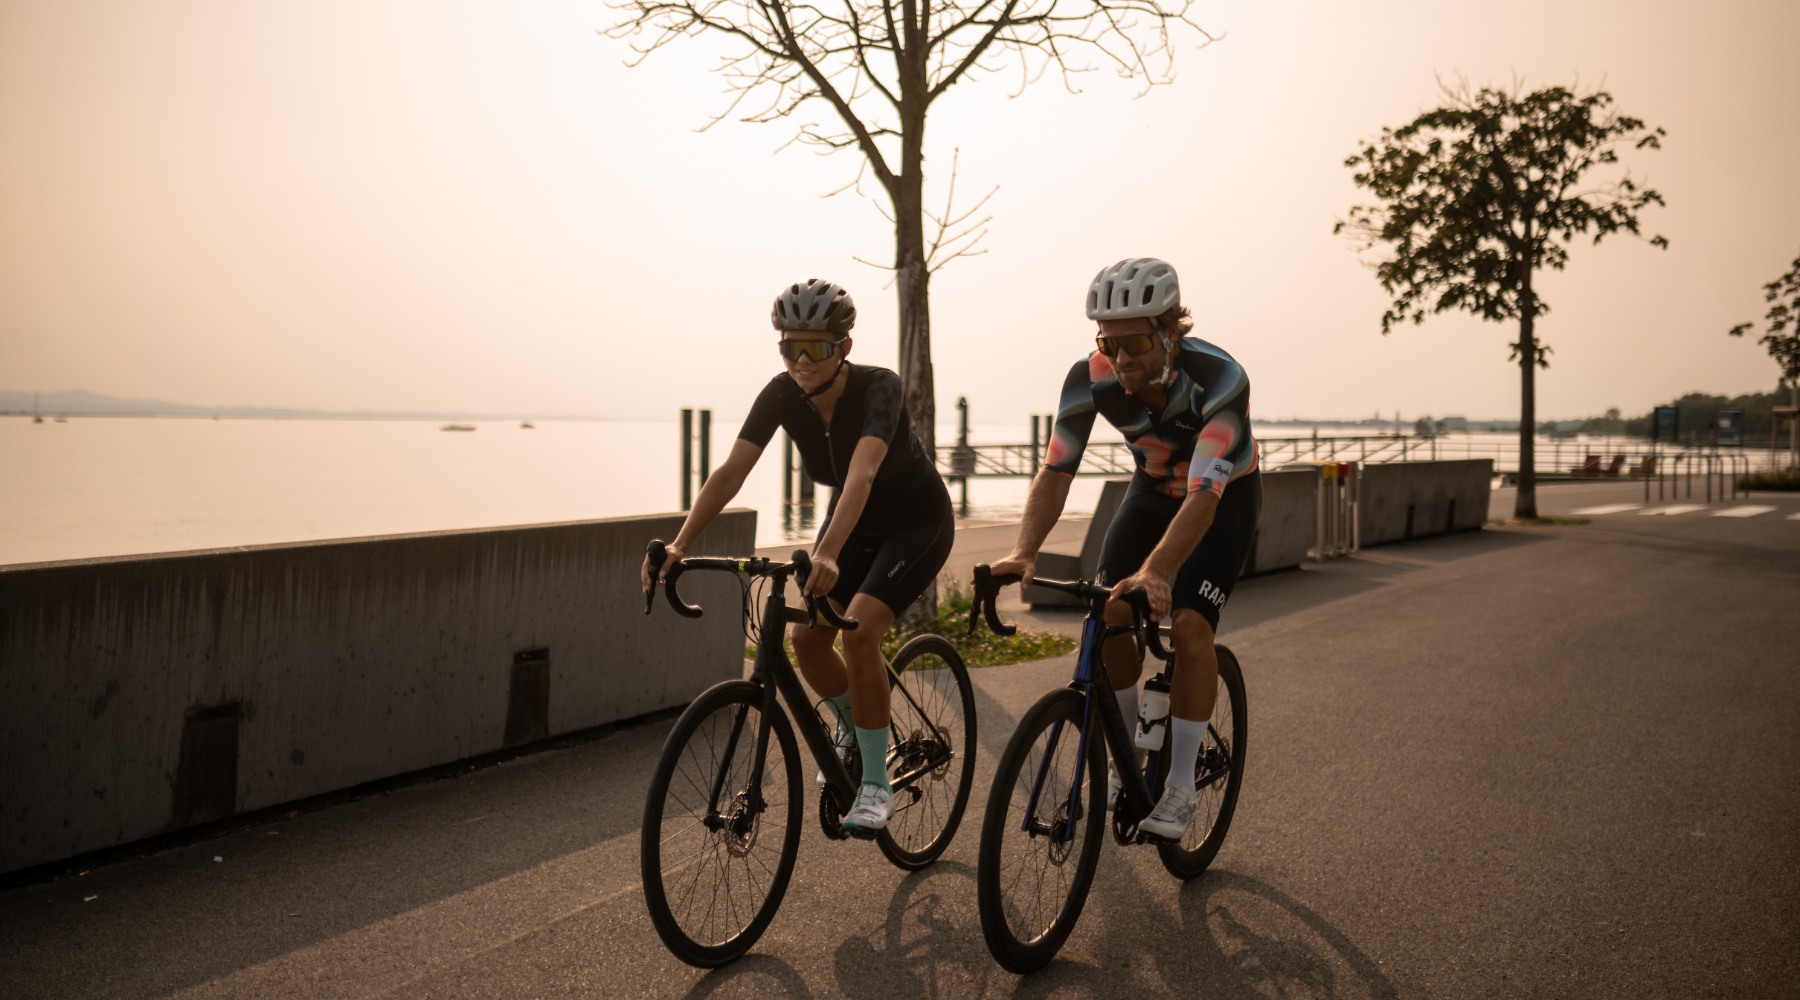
(1119, 653)
(817, 658)
(1196, 684)
(862, 654)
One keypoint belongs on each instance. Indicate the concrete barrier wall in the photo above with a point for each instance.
(141, 695)
(1284, 527)
(1401, 500)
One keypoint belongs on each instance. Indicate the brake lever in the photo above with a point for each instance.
(658, 553)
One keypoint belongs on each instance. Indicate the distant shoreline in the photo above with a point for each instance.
(1373, 428)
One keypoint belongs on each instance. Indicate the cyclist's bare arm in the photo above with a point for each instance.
(1185, 531)
(1178, 542)
(1043, 506)
(864, 461)
(721, 486)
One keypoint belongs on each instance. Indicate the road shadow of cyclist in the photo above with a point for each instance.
(1252, 939)
(929, 945)
(1232, 936)
(741, 978)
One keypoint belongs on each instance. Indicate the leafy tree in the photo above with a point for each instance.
(1783, 296)
(1478, 195)
(878, 67)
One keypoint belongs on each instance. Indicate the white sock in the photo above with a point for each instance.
(1185, 738)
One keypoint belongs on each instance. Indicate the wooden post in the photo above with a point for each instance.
(687, 459)
(705, 445)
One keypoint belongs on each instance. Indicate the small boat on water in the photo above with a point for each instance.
(525, 425)
(457, 427)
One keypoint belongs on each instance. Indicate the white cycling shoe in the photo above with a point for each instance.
(1173, 812)
(873, 807)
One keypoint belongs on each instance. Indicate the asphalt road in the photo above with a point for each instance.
(1551, 761)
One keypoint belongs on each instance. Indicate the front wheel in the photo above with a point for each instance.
(717, 848)
(931, 757)
(1040, 839)
(1219, 774)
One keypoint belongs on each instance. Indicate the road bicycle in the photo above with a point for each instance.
(1041, 836)
(723, 815)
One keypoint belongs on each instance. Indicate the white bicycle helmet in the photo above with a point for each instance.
(1137, 286)
(815, 304)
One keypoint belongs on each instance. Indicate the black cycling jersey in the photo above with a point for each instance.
(907, 488)
(1201, 439)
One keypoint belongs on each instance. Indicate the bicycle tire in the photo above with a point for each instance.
(934, 681)
(1026, 923)
(1221, 753)
(710, 893)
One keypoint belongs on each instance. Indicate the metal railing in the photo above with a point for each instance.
(1553, 458)
(1715, 469)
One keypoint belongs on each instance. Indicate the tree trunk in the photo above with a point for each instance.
(912, 283)
(1525, 506)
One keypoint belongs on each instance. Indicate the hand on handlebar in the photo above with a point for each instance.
(823, 577)
(1015, 565)
(1155, 588)
(649, 576)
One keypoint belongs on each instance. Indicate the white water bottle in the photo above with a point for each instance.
(1153, 714)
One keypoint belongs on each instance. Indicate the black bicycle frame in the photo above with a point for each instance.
(1098, 701)
(776, 676)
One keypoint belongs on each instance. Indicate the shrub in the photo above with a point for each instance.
(1778, 479)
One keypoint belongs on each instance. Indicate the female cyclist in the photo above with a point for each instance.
(886, 535)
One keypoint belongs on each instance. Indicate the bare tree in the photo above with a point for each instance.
(1478, 195)
(878, 67)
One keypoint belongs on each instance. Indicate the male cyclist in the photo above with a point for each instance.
(886, 536)
(1184, 527)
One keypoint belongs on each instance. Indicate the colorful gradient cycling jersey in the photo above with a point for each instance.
(1200, 441)
(907, 487)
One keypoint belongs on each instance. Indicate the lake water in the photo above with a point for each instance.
(105, 486)
(129, 485)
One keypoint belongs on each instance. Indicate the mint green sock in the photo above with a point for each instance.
(841, 705)
(874, 744)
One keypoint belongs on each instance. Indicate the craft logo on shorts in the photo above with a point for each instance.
(897, 568)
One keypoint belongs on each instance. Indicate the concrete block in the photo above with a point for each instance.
(1401, 500)
(142, 694)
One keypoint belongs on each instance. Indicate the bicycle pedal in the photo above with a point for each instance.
(858, 833)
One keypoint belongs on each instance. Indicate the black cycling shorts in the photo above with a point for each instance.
(1205, 581)
(895, 566)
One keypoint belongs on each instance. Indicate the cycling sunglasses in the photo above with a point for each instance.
(817, 350)
(1134, 343)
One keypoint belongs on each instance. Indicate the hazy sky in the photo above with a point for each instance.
(432, 205)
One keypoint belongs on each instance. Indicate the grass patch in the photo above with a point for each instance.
(983, 649)
(1778, 479)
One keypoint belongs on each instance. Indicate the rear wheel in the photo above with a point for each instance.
(1218, 776)
(717, 850)
(1041, 836)
(931, 756)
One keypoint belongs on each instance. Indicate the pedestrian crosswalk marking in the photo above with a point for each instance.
(1680, 508)
(1611, 508)
(1748, 510)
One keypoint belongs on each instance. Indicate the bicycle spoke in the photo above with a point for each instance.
(715, 867)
